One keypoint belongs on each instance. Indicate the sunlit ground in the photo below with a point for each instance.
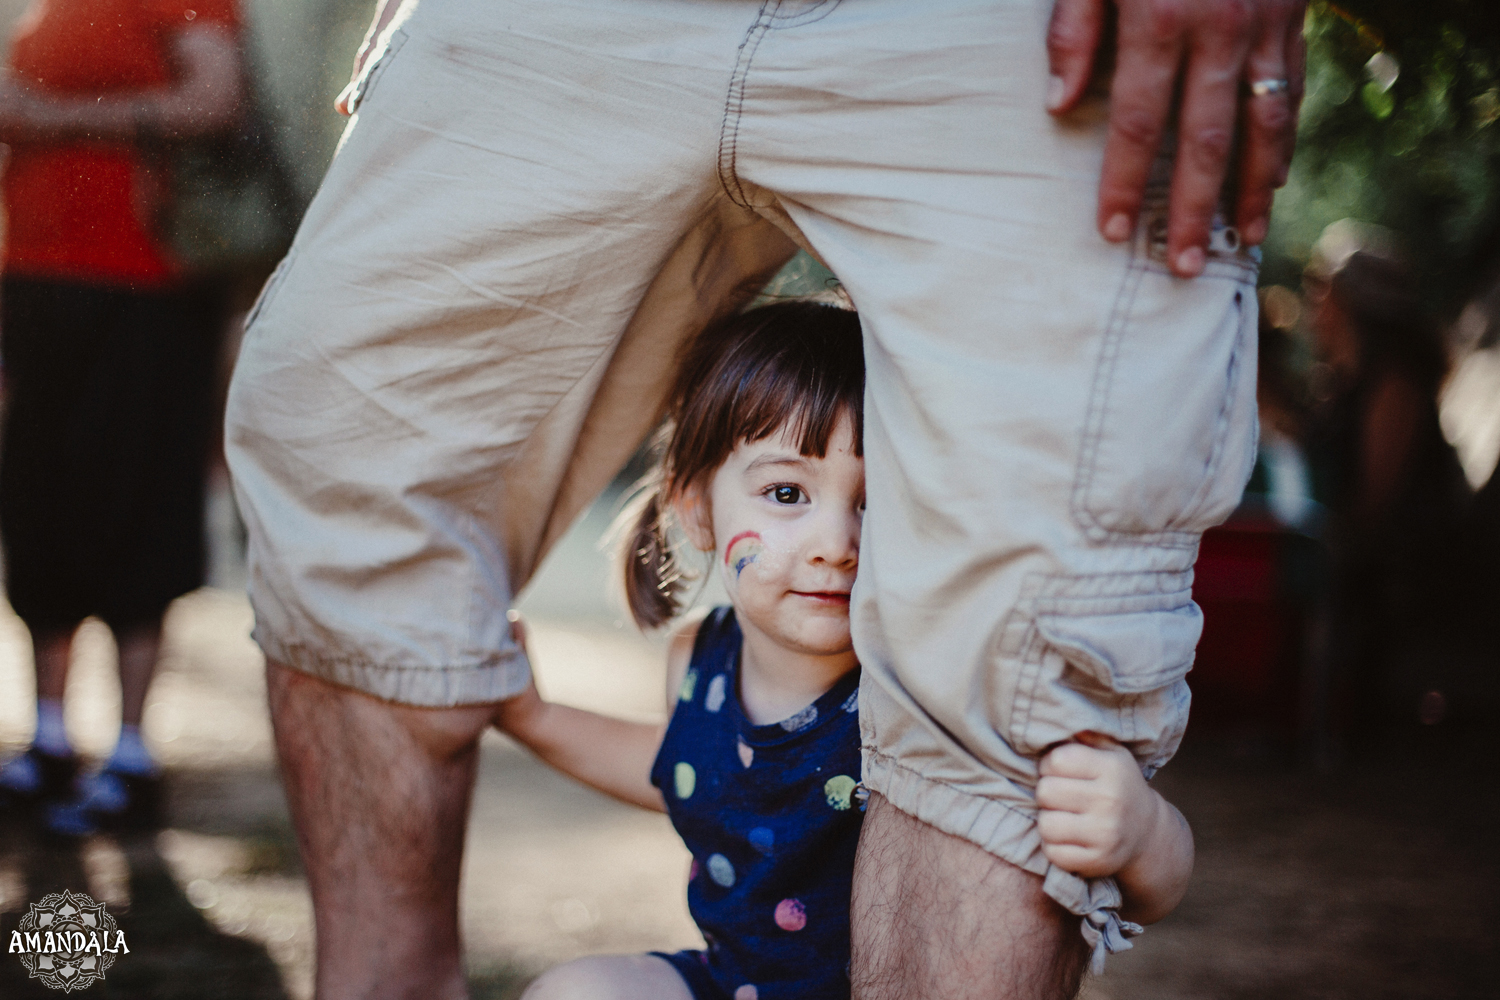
(1375, 882)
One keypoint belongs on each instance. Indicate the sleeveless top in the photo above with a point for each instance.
(771, 817)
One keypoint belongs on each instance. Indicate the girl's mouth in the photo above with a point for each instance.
(824, 596)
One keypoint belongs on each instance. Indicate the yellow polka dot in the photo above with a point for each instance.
(839, 790)
(689, 684)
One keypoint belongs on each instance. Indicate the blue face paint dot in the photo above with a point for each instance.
(763, 839)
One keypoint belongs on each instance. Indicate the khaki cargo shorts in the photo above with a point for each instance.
(536, 203)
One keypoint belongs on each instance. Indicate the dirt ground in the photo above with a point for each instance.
(1378, 881)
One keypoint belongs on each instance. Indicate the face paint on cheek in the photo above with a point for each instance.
(742, 550)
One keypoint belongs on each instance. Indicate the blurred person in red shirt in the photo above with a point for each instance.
(109, 348)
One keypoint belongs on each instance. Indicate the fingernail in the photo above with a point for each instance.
(1190, 262)
(1254, 233)
(1055, 90)
(1117, 229)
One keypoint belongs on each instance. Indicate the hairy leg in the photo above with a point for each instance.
(380, 797)
(610, 977)
(935, 916)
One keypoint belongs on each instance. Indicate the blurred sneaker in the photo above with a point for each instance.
(110, 801)
(36, 776)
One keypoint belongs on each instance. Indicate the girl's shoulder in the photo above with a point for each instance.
(691, 638)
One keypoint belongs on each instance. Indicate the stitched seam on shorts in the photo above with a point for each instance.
(895, 764)
(1221, 421)
(1019, 640)
(1094, 419)
(815, 13)
(734, 104)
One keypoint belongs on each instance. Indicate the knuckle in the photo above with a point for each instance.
(1209, 147)
(1270, 119)
(1165, 19)
(1137, 126)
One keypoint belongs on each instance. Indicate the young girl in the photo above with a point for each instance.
(758, 766)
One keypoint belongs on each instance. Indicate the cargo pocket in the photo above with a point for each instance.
(1119, 674)
(1170, 431)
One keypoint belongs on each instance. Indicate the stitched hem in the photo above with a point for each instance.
(1009, 833)
(506, 676)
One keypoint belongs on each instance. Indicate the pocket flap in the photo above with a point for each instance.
(1131, 653)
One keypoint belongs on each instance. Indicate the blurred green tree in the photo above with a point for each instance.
(1400, 126)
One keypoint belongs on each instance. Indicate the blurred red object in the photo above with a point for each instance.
(1247, 676)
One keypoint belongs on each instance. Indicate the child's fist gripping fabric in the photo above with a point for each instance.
(1097, 816)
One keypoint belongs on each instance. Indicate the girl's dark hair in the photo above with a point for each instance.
(797, 365)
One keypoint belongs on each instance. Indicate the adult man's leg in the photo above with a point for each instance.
(475, 327)
(380, 797)
(1051, 421)
(937, 916)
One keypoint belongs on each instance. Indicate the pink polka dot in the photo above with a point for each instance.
(790, 915)
(693, 870)
(747, 992)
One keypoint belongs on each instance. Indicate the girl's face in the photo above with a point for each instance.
(785, 535)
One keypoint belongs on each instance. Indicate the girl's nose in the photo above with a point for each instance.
(836, 539)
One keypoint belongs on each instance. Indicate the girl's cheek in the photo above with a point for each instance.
(750, 556)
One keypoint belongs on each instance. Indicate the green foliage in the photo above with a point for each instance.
(1420, 153)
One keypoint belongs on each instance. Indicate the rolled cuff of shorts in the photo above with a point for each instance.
(1008, 831)
(504, 676)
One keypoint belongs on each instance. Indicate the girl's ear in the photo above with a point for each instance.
(692, 512)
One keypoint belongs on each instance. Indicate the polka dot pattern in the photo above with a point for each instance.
(747, 755)
(684, 779)
(713, 700)
(839, 791)
(689, 685)
(763, 839)
(747, 992)
(801, 720)
(720, 870)
(791, 915)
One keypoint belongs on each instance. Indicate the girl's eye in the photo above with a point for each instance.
(787, 494)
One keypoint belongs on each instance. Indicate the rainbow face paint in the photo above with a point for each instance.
(742, 550)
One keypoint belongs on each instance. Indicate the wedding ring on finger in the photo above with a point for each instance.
(1260, 88)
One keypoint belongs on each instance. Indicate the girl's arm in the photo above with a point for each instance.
(1097, 816)
(204, 98)
(611, 755)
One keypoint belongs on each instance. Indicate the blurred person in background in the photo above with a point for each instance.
(1399, 506)
(109, 351)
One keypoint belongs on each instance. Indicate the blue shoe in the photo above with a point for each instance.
(36, 777)
(109, 801)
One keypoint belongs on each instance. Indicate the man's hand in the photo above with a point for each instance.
(1096, 815)
(1212, 50)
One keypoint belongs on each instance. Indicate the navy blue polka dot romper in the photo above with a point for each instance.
(772, 819)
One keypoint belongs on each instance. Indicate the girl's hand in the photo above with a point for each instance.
(1096, 814)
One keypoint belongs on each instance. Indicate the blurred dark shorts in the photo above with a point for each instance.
(109, 411)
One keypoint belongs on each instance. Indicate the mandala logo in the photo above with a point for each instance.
(68, 941)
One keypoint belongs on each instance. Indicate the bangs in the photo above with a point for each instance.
(795, 367)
